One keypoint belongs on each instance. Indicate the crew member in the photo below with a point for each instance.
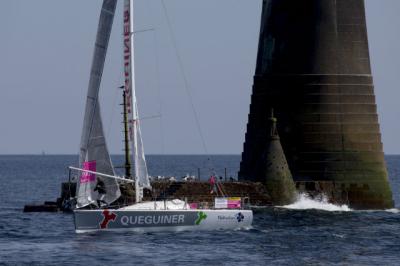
(101, 189)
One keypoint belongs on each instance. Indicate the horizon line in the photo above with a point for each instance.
(150, 154)
(118, 154)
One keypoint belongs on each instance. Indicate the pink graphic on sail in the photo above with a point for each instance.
(88, 177)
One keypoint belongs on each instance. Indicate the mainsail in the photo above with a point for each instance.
(94, 154)
(135, 135)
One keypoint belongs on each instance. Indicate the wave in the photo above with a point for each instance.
(396, 211)
(305, 202)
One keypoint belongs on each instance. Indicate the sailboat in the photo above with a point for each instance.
(98, 186)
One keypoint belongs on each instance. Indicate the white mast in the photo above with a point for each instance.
(138, 157)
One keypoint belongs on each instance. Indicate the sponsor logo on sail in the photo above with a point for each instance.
(88, 177)
(107, 218)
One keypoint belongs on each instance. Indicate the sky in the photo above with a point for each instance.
(46, 49)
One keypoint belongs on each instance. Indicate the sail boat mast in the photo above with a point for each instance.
(138, 157)
(135, 116)
(129, 77)
(128, 165)
(133, 123)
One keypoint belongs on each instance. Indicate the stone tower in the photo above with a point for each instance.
(276, 174)
(313, 69)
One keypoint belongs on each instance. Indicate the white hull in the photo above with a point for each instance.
(161, 220)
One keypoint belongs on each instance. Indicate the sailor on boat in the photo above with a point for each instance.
(101, 189)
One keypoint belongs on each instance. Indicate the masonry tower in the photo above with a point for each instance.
(313, 69)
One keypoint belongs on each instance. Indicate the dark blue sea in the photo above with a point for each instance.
(279, 237)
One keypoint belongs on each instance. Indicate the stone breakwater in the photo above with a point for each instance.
(200, 193)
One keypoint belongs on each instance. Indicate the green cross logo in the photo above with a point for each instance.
(201, 216)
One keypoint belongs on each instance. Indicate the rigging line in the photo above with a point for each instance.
(149, 12)
(160, 111)
(185, 80)
(149, 117)
(141, 31)
(187, 88)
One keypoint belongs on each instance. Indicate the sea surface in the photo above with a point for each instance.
(294, 235)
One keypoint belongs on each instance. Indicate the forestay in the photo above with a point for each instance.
(94, 154)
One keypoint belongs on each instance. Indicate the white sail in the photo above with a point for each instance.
(94, 154)
(138, 157)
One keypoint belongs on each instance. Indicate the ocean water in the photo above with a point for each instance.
(304, 233)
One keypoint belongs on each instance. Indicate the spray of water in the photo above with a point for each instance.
(395, 211)
(305, 202)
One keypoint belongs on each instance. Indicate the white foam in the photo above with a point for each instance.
(393, 211)
(304, 202)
